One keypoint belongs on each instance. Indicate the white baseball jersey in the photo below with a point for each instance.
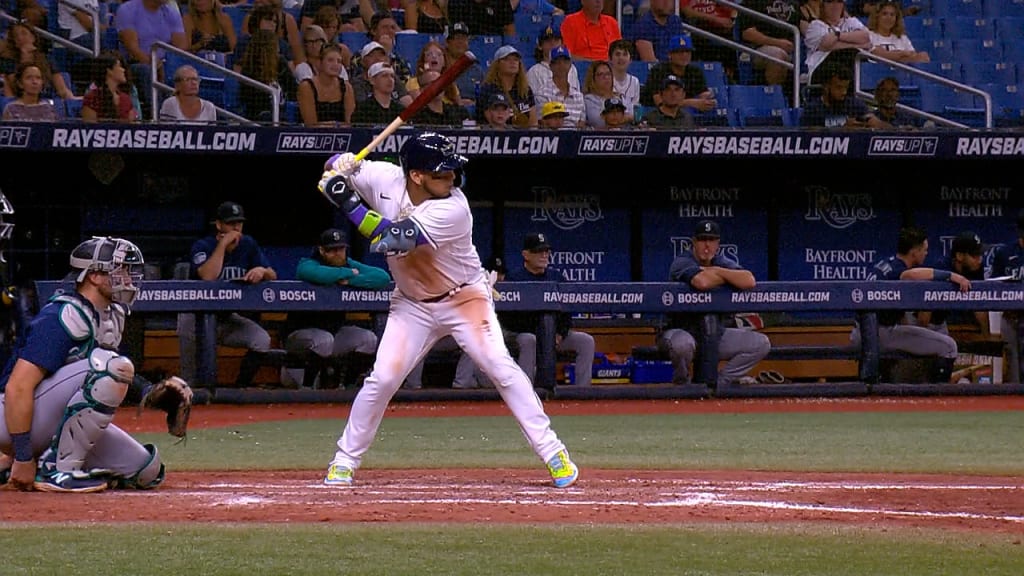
(447, 224)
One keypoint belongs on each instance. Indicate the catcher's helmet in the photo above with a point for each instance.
(430, 152)
(117, 257)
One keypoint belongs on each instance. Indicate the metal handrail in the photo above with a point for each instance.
(865, 55)
(275, 94)
(49, 35)
(94, 14)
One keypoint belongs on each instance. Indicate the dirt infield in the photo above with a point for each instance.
(516, 495)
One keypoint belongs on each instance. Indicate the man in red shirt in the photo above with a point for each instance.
(588, 33)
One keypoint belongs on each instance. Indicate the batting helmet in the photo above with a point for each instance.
(430, 152)
(117, 257)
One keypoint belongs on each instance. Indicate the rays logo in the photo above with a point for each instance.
(857, 295)
(684, 245)
(268, 295)
(837, 210)
(565, 211)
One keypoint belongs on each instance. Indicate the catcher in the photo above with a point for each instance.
(60, 389)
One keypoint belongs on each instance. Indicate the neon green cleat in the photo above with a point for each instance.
(563, 472)
(338, 475)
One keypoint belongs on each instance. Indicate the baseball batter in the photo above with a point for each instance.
(60, 389)
(416, 214)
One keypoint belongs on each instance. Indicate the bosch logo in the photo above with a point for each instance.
(268, 295)
(857, 295)
(297, 295)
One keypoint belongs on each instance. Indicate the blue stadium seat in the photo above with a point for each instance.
(581, 69)
(291, 112)
(408, 45)
(556, 22)
(237, 14)
(947, 8)
(722, 116)
(939, 49)
(872, 72)
(977, 50)
(762, 98)
(1013, 51)
(354, 40)
(1004, 8)
(73, 108)
(954, 104)
(4, 100)
(949, 70)
(753, 118)
(483, 47)
(1009, 28)
(640, 69)
(968, 27)
(714, 73)
(530, 26)
(921, 29)
(990, 73)
(1007, 103)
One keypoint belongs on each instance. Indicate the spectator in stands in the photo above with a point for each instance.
(679, 64)
(705, 268)
(588, 33)
(536, 7)
(539, 75)
(328, 19)
(488, 17)
(625, 84)
(262, 62)
(314, 41)
(370, 54)
(718, 19)
(834, 38)
(184, 105)
(598, 88)
(383, 29)
(561, 90)
(897, 332)
(28, 105)
(438, 112)
(837, 107)
(140, 23)
(379, 107)
(434, 57)
(554, 116)
(1008, 261)
(347, 11)
(208, 27)
(498, 112)
(425, 16)
(457, 44)
(75, 20)
(964, 259)
(653, 32)
(669, 113)
(887, 96)
(326, 99)
(107, 100)
(888, 35)
(506, 75)
(22, 46)
(227, 255)
(769, 39)
(614, 114)
(537, 268)
(328, 335)
(271, 15)
(810, 10)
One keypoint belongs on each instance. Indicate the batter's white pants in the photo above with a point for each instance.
(412, 329)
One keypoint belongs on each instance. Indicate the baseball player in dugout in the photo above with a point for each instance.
(417, 214)
(537, 268)
(60, 389)
(1008, 263)
(704, 268)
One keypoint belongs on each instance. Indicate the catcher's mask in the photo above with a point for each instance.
(116, 257)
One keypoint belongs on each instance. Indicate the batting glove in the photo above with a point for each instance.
(344, 164)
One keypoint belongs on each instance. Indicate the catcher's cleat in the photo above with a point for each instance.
(68, 482)
(563, 472)
(338, 475)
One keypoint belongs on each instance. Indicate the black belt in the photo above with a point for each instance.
(447, 294)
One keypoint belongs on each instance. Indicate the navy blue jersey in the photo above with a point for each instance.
(940, 316)
(50, 342)
(683, 269)
(889, 269)
(246, 256)
(527, 321)
(1008, 260)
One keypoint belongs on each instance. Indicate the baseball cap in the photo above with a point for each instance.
(560, 52)
(552, 108)
(229, 212)
(536, 243)
(547, 34)
(314, 32)
(707, 229)
(496, 264)
(379, 68)
(498, 99)
(614, 103)
(370, 47)
(333, 238)
(505, 51)
(671, 79)
(966, 243)
(680, 42)
(458, 28)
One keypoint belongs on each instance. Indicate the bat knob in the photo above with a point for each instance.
(470, 55)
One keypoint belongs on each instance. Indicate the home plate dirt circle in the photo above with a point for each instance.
(519, 495)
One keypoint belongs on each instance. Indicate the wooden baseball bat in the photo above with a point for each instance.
(425, 96)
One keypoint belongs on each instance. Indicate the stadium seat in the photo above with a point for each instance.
(1013, 51)
(556, 22)
(968, 28)
(975, 50)
(4, 100)
(581, 68)
(1004, 8)
(640, 69)
(946, 8)
(354, 40)
(1009, 29)
(872, 72)
(1007, 103)
(762, 98)
(73, 108)
(921, 29)
(939, 49)
(957, 105)
(754, 118)
(990, 73)
(408, 45)
(950, 70)
(237, 14)
(721, 116)
(483, 47)
(530, 26)
(714, 73)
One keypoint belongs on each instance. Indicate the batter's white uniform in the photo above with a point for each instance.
(440, 289)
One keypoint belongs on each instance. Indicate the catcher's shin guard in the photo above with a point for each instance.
(149, 476)
(92, 408)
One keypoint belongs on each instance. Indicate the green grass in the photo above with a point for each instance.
(216, 550)
(946, 442)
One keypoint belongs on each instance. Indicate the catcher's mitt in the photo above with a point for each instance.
(174, 396)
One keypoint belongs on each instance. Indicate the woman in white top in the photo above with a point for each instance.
(888, 36)
(836, 36)
(185, 106)
(597, 88)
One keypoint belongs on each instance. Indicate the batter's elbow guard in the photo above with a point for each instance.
(339, 193)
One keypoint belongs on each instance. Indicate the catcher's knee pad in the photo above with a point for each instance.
(92, 409)
(149, 476)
